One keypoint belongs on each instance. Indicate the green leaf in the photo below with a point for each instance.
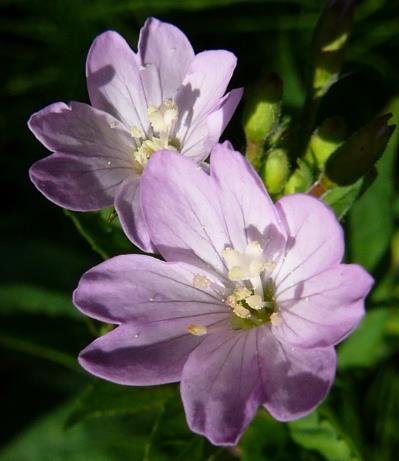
(371, 219)
(120, 438)
(318, 432)
(266, 439)
(106, 399)
(366, 346)
(103, 232)
(341, 198)
(31, 299)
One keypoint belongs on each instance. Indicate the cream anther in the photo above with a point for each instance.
(197, 330)
(275, 319)
(201, 281)
(240, 296)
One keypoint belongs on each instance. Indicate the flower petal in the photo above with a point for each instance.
(182, 211)
(221, 116)
(138, 288)
(295, 380)
(220, 386)
(128, 206)
(114, 81)
(315, 241)
(77, 183)
(201, 138)
(91, 159)
(203, 87)
(248, 211)
(324, 309)
(78, 128)
(141, 355)
(168, 49)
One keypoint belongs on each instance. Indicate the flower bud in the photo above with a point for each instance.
(325, 140)
(300, 180)
(262, 113)
(328, 44)
(359, 153)
(276, 170)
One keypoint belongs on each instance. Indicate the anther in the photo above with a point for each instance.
(197, 330)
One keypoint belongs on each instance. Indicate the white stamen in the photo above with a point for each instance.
(162, 120)
(135, 132)
(255, 302)
(275, 319)
(197, 330)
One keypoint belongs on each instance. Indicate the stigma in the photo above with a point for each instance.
(162, 122)
(248, 264)
(252, 300)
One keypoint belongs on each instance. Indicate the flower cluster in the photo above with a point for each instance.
(252, 296)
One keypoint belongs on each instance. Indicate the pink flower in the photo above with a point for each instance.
(162, 97)
(247, 308)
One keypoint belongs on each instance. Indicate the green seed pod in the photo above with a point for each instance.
(358, 154)
(276, 170)
(261, 113)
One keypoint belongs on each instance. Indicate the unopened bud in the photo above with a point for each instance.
(325, 140)
(276, 170)
(262, 113)
(329, 41)
(300, 180)
(358, 154)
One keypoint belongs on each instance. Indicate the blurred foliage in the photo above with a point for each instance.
(55, 411)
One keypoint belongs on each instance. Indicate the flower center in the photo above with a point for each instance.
(162, 120)
(252, 300)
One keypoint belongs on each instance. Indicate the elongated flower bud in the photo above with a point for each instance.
(360, 152)
(276, 170)
(262, 113)
(328, 45)
(325, 140)
(300, 180)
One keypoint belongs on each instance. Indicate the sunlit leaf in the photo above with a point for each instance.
(317, 432)
(106, 399)
(118, 439)
(266, 439)
(341, 198)
(371, 219)
(367, 344)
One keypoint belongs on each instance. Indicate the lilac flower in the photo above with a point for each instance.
(164, 96)
(247, 308)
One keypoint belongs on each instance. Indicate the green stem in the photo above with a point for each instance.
(40, 351)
